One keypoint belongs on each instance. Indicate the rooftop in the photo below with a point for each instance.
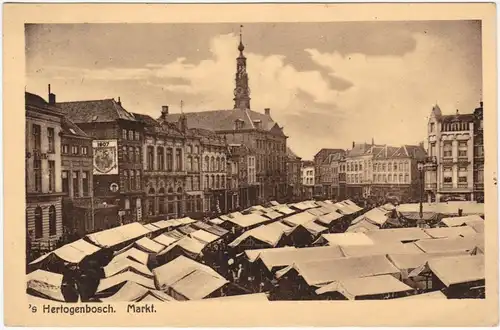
(95, 111)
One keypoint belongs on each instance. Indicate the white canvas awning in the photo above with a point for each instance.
(46, 284)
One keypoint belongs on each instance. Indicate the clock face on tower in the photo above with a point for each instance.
(238, 91)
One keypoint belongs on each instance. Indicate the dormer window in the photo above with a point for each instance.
(238, 124)
(257, 124)
(432, 127)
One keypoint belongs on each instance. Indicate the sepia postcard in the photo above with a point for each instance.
(250, 165)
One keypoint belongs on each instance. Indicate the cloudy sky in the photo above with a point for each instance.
(328, 84)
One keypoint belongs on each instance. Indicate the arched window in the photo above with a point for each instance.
(206, 166)
(389, 178)
(189, 164)
(38, 222)
(131, 154)
(223, 164)
(401, 168)
(189, 149)
(52, 221)
(170, 201)
(212, 164)
(223, 182)
(212, 181)
(124, 154)
(132, 179)
(138, 180)
(206, 183)
(161, 201)
(137, 154)
(217, 164)
(179, 202)
(217, 182)
(401, 178)
(196, 164)
(125, 180)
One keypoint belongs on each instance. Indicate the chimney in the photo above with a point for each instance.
(481, 103)
(119, 101)
(52, 97)
(457, 111)
(267, 111)
(373, 141)
(353, 144)
(421, 144)
(164, 111)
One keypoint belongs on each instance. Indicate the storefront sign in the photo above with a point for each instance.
(105, 157)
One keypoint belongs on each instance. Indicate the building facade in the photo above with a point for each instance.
(308, 177)
(358, 174)
(326, 163)
(342, 192)
(450, 173)
(478, 154)
(294, 176)
(118, 156)
(42, 169)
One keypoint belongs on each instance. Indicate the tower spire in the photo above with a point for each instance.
(241, 47)
(241, 91)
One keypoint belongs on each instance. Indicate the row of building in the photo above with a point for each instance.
(451, 167)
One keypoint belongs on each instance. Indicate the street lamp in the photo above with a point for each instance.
(420, 167)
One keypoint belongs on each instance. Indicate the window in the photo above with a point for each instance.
(196, 183)
(217, 164)
(65, 149)
(124, 154)
(170, 160)
(50, 139)
(125, 181)
(138, 154)
(76, 184)
(223, 181)
(52, 221)
(74, 150)
(407, 166)
(38, 222)
(217, 182)
(374, 177)
(212, 164)
(37, 137)
(151, 158)
(85, 150)
(396, 167)
(132, 180)
(189, 149)
(462, 175)
(360, 167)
(138, 180)
(447, 149)
(431, 128)
(196, 149)
(212, 181)
(407, 178)
(196, 164)
(160, 157)
(189, 165)
(124, 134)
(432, 149)
(131, 154)
(137, 136)
(206, 183)
(447, 176)
(37, 169)
(131, 135)
(85, 183)
(178, 159)
(65, 181)
(189, 183)
(389, 178)
(389, 167)
(462, 149)
(52, 175)
(383, 167)
(401, 178)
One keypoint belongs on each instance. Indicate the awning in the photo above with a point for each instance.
(46, 284)
(458, 270)
(73, 252)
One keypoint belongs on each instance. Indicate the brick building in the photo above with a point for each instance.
(326, 163)
(293, 176)
(42, 171)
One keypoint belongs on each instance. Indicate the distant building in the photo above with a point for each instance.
(118, 156)
(342, 192)
(478, 154)
(359, 169)
(308, 177)
(326, 163)
(294, 176)
(43, 172)
(257, 131)
(450, 174)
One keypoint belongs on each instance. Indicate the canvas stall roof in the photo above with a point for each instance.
(188, 244)
(364, 286)
(181, 266)
(252, 255)
(397, 235)
(133, 254)
(248, 220)
(155, 296)
(122, 278)
(186, 230)
(114, 236)
(311, 204)
(379, 249)
(47, 284)
(270, 234)
(73, 252)
(120, 265)
(301, 206)
(151, 227)
(344, 209)
(341, 239)
(198, 284)
(257, 212)
(217, 221)
(459, 269)
(426, 216)
(272, 215)
(388, 207)
(329, 217)
(375, 216)
(428, 295)
(225, 218)
(459, 221)
(165, 240)
(175, 234)
(443, 208)
(362, 227)
(353, 205)
(287, 257)
(478, 226)
(317, 211)
(251, 297)
(149, 245)
(201, 225)
(163, 224)
(408, 262)
(314, 228)
(256, 208)
(235, 214)
(450, 232)
(216, 230)
(186, 220)
(204, 237)
(322, 272)
(450, 244)
(133, 292)
(274, 203)
(300, 218)
(284, 210)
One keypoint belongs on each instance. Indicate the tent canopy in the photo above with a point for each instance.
(204, 237)
(328, 218)
(451, 244)
(133, 254)
(458, 269)
(120, 265)
(287, 257)
(341, 239)
(397, 235)
(122, 278)
(251, 297)
(115, 236)
(460, 221)
(270, 234)
(46, 284)
(408, 262)
(300, 218)
(133, 292)
(73, 252)
(165, 240)
(149, 245)
(379, 249)
(252, 255)
(450, 232)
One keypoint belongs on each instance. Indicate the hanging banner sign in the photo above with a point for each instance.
(105, 157)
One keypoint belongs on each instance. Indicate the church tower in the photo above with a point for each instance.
(241, 91)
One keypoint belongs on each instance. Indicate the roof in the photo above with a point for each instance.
(459, 221)
(188, 244)
(428, 295)
(253, 297)
(272, 215)
(198, 284)
(287, 257)
(118, 235)
(270, 234)
(341, 239)
(397, 235)
(411, 261)
(379, 249)
(120, 265)
(458, 117)
(450, 232)
(326, 271)
(95, 111)
(149, 245)
(329, 217)
(358, 149)
(224, 120)
(70, 128)
(291, 155)
(362, 227)
(376, 216)
(47, 284)
(300, 218)
(203, 236)
(33, 100)
(284, 209)
(247, 220)
(451, 244)
(252, 255)
(123, 278)
(459, 269)
(73, 252)
(133, 254)
(444, 208)
(366, 286)
(165, 240)
(133, 292)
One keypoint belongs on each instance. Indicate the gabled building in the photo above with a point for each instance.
(257, 131)
(326, 163)
(308, 177)
(478, 154)
(118, 155)
(294, 176)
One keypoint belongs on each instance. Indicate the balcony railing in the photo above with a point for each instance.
(164, 172)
